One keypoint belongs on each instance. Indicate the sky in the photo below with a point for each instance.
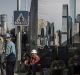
(9, 6)
(49, 10)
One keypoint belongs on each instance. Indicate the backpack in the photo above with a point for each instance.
(11, 56)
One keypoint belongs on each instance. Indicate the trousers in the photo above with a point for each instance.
(10, 65)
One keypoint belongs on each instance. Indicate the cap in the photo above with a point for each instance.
(7, 35)
(34, 51)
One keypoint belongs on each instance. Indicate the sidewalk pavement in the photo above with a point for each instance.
(16, 73)
(37, 73)
(19, 73)
(22, 74)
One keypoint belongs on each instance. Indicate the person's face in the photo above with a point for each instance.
(33, 54)
(7, 39)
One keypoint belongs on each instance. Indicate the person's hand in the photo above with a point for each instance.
(32, 63)
(26, 62)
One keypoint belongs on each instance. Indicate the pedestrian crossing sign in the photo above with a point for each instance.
(21, 17)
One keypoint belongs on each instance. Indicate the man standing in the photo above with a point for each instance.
(2, 56)
(10, 55)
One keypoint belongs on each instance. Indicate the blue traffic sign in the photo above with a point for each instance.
(21, 17)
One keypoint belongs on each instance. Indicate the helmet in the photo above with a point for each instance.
(7, 35)
(33, 51)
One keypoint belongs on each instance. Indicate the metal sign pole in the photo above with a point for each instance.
(20, 19)
(18, 54)
(19, 43)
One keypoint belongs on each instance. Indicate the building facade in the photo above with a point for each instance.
(45, 33)
(42, 37)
